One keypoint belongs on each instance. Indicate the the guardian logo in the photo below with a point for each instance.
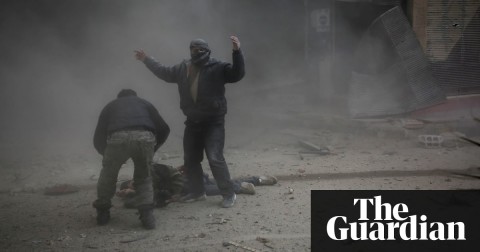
(391, 223)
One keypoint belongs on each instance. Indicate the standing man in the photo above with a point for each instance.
(201, 83)
(128, 127)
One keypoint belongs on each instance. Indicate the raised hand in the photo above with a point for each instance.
(140, 55)
(236, 42)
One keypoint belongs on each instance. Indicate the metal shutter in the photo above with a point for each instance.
(453, 44)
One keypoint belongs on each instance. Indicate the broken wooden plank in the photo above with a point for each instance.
(232, 243)
(469, 140)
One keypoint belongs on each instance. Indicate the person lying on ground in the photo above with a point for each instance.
(170, 184)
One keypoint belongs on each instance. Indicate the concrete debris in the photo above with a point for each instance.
(64, 238)
(135, 238)
(165, 156)
(450, 140)
(412, 124)
(389, 153)
(264, 241)
(320, 152)
(312, 149)
(220, 221)
(431, 141)
(201, 235)
(310, 146)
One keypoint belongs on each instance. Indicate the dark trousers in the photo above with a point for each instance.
(121, 146)
(209, 137)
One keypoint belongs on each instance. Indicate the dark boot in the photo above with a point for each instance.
(103, 211)
(146, 216)
(103, 216)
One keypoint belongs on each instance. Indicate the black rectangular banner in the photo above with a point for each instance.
(406, 220)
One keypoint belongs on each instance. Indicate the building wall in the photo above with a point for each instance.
(445, 25)
(449, 31)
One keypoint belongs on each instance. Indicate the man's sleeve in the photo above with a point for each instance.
(235, 71)
(161, 127)
(100, 136)
(168, 74)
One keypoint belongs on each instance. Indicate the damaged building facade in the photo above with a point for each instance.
(387, 58)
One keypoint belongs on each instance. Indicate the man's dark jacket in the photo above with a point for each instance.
(129, 112)
(213, 76)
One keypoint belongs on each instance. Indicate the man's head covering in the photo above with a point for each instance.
(199, 43)
(126, 92)
(199, 58)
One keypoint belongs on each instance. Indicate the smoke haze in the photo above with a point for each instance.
(62, 61)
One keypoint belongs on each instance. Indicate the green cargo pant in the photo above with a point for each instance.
(122, 145)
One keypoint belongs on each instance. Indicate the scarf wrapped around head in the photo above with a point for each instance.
(199, 58)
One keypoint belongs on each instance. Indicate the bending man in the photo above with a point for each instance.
(128, 127)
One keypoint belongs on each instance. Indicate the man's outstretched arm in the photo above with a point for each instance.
(168, 74)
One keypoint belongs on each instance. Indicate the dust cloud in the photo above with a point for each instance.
(62, 61)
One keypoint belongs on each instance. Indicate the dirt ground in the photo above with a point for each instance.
(371, 155)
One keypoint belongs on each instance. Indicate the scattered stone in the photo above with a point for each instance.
(262, 240)
(232, 243)
(135, 238)
(310, 146)
(165, 156)
(389, 153)
(431, 141)
(219, 221)
(201, 235)
(265, 242)
(412, 124)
